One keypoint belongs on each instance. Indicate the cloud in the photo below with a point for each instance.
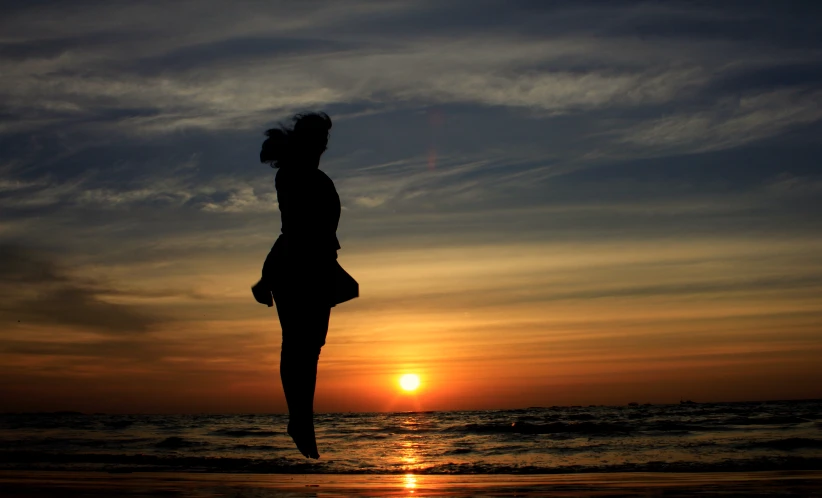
(248, 70)
(412, 181)
(731, 122)
(242, 93)
(244, 199)
(786, 186)
(179, 188)
(35, 289)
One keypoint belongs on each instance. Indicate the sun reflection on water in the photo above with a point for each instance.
(409, 453)
(410, 482)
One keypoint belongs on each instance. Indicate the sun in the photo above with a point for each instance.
(410, 382)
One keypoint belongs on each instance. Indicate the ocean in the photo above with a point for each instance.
(705, 437)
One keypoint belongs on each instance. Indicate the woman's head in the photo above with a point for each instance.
(303, 142)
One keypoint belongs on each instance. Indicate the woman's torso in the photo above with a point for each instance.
(310, 212)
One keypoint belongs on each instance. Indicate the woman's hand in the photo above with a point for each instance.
(262, 294)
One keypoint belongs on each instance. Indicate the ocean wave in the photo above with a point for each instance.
(741, 465)
(118, 424)
(257, 447)
(255, 432)
(774, 420)
(787, 444)
(602, 428)
(370, 435)
(581, 417)
(665, 426)
(156, 463)
(159, 463)
(70, 441)
(175, 442)
(460, 451)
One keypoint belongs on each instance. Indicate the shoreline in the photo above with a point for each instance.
(33, 484)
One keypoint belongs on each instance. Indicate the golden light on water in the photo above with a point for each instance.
(410, 382)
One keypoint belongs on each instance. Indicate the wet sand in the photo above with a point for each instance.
(99, 484)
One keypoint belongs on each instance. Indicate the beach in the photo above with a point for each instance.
(137, 485)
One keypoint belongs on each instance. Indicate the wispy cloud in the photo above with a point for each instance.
(248, 70)
(731, 122)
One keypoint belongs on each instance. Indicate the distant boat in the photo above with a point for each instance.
(687, 402)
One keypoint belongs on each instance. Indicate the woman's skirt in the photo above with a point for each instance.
(301, 273)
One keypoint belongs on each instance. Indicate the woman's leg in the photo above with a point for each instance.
(304, 326)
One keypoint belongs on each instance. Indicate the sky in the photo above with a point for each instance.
(545, 203)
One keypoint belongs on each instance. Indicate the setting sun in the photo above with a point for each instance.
(410, 382)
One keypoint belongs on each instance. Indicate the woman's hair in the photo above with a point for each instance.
(286, 145)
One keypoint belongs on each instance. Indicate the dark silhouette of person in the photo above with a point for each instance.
(301, 274)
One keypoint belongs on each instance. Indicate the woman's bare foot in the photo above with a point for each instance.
(303, 435)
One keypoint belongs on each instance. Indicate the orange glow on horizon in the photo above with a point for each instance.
(506, 328)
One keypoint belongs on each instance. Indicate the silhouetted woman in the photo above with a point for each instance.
(299, 271)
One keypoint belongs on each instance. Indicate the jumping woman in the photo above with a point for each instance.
(301, 274)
